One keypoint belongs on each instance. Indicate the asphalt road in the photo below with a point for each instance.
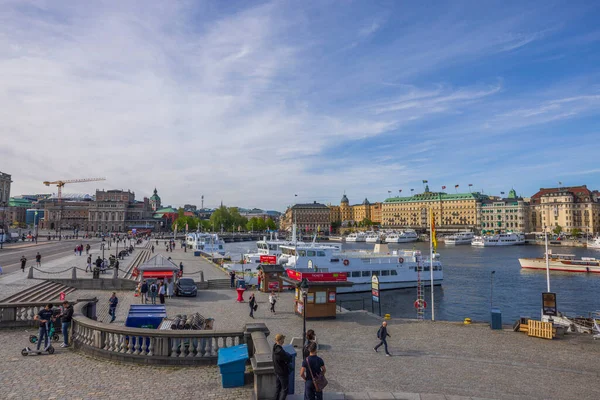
(10, 255)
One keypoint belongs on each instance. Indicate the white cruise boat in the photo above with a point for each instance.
(397, 269)
(405, 236)
(594, 244)
(562, 262)
(372, 237)
(502, 239)
(207, 243)
(356, 237)
(459, 238)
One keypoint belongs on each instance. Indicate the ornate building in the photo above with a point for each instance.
(69, 214)
(309, 217)
(451, 211)
(155, 201)
(357, 213)
(118, 211)
(5, 182)
(574, 207)
(505, 214)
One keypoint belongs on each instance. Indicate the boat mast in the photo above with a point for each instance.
(431, 264)
(547, 260)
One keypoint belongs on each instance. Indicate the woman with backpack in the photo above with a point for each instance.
(153, 291)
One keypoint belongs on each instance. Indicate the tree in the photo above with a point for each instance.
(271, 224)
(367, 222)
(557, 230)
(576, 232)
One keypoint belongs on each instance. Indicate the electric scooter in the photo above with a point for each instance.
(48, 349)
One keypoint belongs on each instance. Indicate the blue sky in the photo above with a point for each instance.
(251, 103)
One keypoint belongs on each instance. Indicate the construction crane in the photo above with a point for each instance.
(61, 183)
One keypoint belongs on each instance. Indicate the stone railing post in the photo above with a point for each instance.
(261, 360)
(201, 276)
(30, 274)
(74, 273)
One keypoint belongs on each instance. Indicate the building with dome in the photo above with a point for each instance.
(355, 213)
(155, 201)
(504, 214)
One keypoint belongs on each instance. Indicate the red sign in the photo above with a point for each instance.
(62, 296)
(318, 276)
(268, 259)
(273, 285)
(375, 292)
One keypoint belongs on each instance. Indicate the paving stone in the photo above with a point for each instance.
(381, 396)
(432, 396)
(453, 397)
(356, 396)
(406, 396)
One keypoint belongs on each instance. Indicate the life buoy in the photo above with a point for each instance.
(417, 302)
(346, 262)
(401, 260)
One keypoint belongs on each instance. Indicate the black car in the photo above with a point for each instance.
(186, 287)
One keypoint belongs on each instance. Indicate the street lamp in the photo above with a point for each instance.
(304, 290)
(492, 289)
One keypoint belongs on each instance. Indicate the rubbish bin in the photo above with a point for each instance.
(96, 273)
(232, 364)
(496, 322)
(145, 315)
(292, 381)
(196, 254)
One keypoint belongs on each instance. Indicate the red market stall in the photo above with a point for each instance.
(158, 267)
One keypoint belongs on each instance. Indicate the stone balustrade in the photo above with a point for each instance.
(149, 346)
(13, 315)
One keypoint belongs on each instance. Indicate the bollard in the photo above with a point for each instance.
(74, 273)
(30, 275)
(387, 316)
(467, 321)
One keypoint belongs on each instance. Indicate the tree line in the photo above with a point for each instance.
(227, 218)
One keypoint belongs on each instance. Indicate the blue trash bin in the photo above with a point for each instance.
(292, 381)
(145, 315)
(232, 364)
(196, 254)
(496, 320)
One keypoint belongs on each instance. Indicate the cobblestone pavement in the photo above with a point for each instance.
(70, 375)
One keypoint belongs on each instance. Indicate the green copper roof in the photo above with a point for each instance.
(512, 194)
(12, 202)
(437, 196)
(155, 196)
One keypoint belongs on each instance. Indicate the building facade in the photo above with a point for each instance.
(155, 203)
(570, 208)
(310, 217)
(118, 211)
(505, 214)
(5, 181)
(16, 212)
(67, 215)
(451, 211)
(355, 213)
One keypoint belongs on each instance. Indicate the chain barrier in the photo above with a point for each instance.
(54, 272)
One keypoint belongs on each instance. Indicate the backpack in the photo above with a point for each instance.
(153, 288)
(379, 333)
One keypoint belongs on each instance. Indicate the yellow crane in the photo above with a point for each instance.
(62, 183)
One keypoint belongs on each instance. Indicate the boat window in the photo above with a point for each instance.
(320, 253)
(334, 260)
(302, 253)
(356, 274)
(393, 272)
(385, 273)
(376, 273)
(310, 253)
(366, 273)
(272, 247)
(426, 268)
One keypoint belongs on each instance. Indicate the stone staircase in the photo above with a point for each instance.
(45, 291)
(219, 284)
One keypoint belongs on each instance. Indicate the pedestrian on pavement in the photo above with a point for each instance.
(45, 317)
(112, 308)
(272, 301)
(23, 262)
(117, 266)
(310, 338)
(181, 267)
(161, 292)
(89, 264)
(1, 269)
(232, 279)
(75, 250)
(382, 335)
(170, 288)
(66, 317)
(98, 262)
(153, 292)
(281, 364)
(253, 305)
(87, 248)
(313, 366)
(38, 259)
(152, 248)
(144, 291)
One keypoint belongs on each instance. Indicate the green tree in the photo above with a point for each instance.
(271, 224)
(576, 232)
(367, 222)
(557, 230)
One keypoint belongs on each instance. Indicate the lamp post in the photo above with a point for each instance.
(102, 245)
(304, 290)
(492, 289)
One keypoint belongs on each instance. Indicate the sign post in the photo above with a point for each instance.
(549, 304)
(375, 293)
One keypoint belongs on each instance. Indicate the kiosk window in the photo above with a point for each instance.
(321, 297)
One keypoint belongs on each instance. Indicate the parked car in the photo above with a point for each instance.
(186, 287)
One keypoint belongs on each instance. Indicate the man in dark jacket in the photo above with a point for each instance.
(281, 363)
(98, 262)
(382, 335)
(144, 291)
(66, 317)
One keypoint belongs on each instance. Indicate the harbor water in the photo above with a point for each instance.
(467, 284)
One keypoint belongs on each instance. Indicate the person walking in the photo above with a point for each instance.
(66, 316)
(181, 267)
(153, 291)
(382, 335)
(38, 259)
(152, 248)
(45, 317)
(313, 367)
(232, 279)
(98, 262)
(89, 264)
(117, 266)
(23, 262)
(112, 308)
(252, 303)
(281, 364)
(161, 292)
(170, 288)
(144, 292)
(272, 301)
(87, 248)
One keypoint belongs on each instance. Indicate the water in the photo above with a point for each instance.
(465, 291)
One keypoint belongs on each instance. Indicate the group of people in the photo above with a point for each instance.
(79, 249)
(38, 261)
(46, 316)
(162, 289)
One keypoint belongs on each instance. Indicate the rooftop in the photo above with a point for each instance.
(437, 196)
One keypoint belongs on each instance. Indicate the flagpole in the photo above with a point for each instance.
(431, 265)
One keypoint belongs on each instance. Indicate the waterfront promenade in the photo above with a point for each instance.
(441, 358)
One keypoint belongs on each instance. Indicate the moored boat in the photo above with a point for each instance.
(562, 262)
(459, 238)
(501, 239)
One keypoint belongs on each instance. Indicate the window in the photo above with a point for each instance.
(393, 272)
(310, 253)
(385, 273)
(366, 273)
(376, 273)
(320, 253)
(302, 253)
(355, 274)
(321, 297)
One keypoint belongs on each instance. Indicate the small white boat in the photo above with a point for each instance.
(372, 237)
(356, 237)
(594, 244)
(206, 243)
(405, 236)
(562, 262)
(459, 238)
(502, 239)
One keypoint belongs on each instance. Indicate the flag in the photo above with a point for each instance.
(470, 184)
(455, 186)
(501, 192)
(443, 187)
(389, 191)
(295, 195)
(412, 190)
(433, 238)
(425, 182)
(559, 183)
(400, 191)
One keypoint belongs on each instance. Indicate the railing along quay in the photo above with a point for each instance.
(14, 315)
(149, 346)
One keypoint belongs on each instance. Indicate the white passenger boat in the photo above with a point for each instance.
(459, 238)
(356, 237)
(562, 262)
(372, 237)
(396, 269)
(206, 243)
(502, 239)
(405, 236)
(594, 244)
